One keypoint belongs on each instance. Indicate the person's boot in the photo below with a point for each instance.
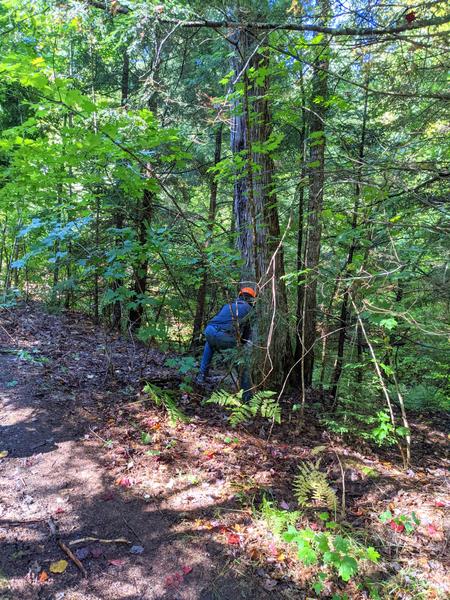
(200, 379)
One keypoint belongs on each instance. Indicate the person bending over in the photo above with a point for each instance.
(230, 328)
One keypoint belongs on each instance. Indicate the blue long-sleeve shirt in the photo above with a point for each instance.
(234, 318)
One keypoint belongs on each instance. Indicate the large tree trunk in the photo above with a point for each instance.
(201, 295)
(256, 213)
(317, 113)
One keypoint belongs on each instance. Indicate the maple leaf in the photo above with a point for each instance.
(186, 569)
(432, 529)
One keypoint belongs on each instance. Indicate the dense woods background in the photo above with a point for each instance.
(154, 156)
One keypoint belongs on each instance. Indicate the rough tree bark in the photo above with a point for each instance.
(256, 211)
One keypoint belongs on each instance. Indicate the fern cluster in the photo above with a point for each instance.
(163, 398)
(311, 485)
(262, 403)
(277, 519)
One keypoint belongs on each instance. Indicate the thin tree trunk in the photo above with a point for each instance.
(201, 295)
(345, 313)
(300, 238)
(315, 199)
(118, 211)
(144, 215)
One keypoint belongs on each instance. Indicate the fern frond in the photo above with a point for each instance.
(262, 403)
(162, 398)
(311, 486)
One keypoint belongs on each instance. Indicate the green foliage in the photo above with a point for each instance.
(163, 398)
(408, 522)
(311, 486)
(263, 404)
(276, 519)
(342, 554)
(184, 364)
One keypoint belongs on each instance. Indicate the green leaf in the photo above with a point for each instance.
(385, 516)
(347, 568)
(372, 554)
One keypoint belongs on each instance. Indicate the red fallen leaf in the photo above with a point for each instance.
(59, 510)
(124, 482)
(398, 527)
(43, 576)
(186, 570)
(233, 539)
(411, 16)
(439, 504)
(209, 455)
(314, 526)
(117, 562)
(169, 580)
(432, 529)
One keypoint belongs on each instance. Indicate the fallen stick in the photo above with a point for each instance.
(17, 522)
(100, 540)
(54, 531)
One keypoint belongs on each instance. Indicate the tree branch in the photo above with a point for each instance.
(115, 7)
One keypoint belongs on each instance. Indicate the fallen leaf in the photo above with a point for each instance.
(186, 570)
(439, 504)
(43, 576)
(209, 454)
(59, 510)
(124, 482)
(117, 562)
(233, 539)
(281, 557)
(82, 553)
(136, 549)
(398, 527)
(3, 453)
(411, 16)
(59, 566)
(432, 529)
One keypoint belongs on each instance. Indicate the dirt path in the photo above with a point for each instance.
(57, 467)
(87, 449)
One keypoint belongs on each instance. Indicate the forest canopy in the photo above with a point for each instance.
(157, 155)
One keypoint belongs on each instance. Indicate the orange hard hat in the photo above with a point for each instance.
(248, 290)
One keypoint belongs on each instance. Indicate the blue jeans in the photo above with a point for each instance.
(217, 340)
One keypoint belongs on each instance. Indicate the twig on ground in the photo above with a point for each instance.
(99, 540)
(55, 534)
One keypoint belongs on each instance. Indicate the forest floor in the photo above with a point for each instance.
(84, 454)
